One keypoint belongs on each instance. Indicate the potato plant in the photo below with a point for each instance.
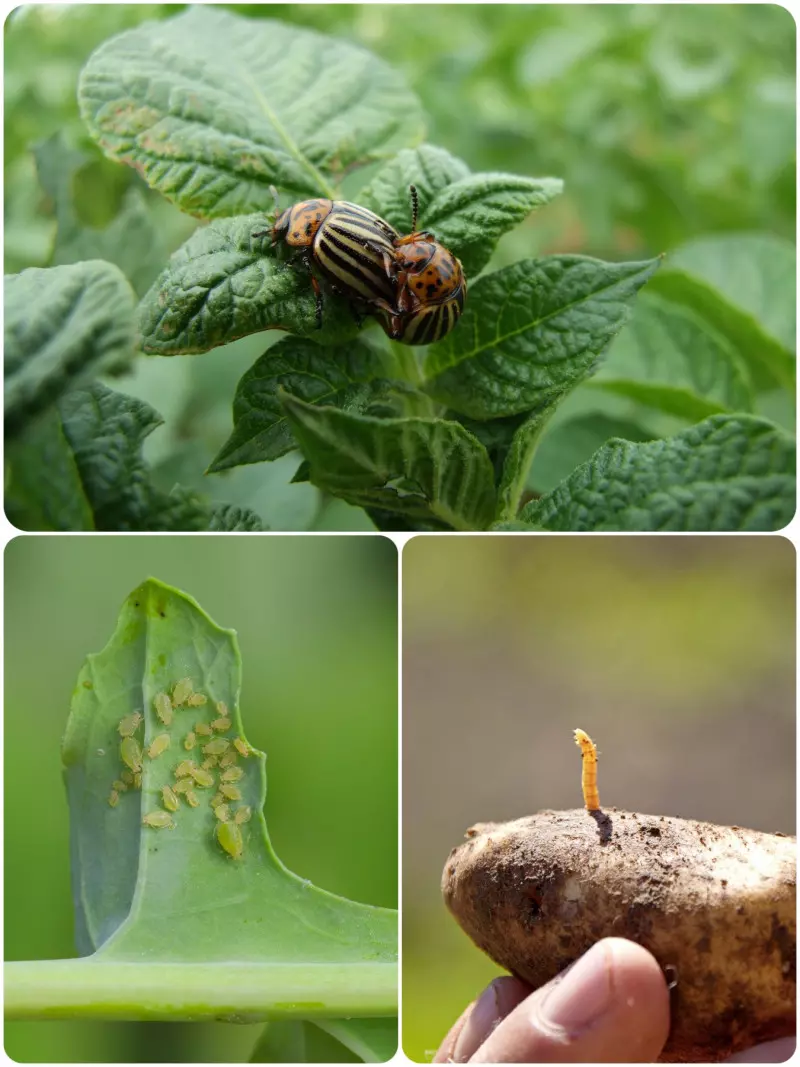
(183, 912)
(212, 109)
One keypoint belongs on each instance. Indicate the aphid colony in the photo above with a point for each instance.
(412, 284)
(220, 756)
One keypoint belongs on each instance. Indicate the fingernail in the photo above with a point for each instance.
(482, 1020)
(582, 996)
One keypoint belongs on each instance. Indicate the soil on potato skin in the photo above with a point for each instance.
(714, 904)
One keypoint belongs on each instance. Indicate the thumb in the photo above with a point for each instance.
(612, 1006)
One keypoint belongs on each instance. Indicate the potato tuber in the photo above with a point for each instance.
(714, 904)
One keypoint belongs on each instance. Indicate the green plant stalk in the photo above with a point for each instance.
(231, 992)
(509, 497)
(407, 362)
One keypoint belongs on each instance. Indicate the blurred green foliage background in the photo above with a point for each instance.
(317, 626)
(676, 655)
(665, 121)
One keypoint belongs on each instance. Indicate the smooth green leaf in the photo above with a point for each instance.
(328, 1041)
(224, 283)
(531, 333)
(131, 240)
(212, 107)
(63, 325)
(756, 272)
(431, 470)
(743, 285)
(372, 1040)
(336, 377)
(669, 358)
(727, 473)
(148, 897)
(43, 485)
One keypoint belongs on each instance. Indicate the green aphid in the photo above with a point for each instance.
(243, 814)
(202, 778)
(216, 800)
(189, 741)
(120, 786)
(159, 820)
(221, 725)
(182, 691)
(197, 700)
(129, 725)
(184, 768)
(127, 777)
(222, 709)
(163, 708)
(203, 729)
(229, 759)
(137, 780)
(131, 754)
(222, 812)
(241, 746)
(113, 798)
(183, 785)
(230, 838)
(170, 801)
(216, 747)
(209, 764)
(232, 774)
(230, 792)
(160, 744)
(192, 799)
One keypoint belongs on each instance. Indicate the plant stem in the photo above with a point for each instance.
(233, 992)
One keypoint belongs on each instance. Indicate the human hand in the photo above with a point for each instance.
(611, 1006)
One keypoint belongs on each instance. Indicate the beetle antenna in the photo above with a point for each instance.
(414, 207)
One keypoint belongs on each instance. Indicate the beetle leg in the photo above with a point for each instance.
(318, 295)
(404, 295)
(306, 258)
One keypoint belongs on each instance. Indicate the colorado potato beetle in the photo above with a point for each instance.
(431, 287)
(351, 247)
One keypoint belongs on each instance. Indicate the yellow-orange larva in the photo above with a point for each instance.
(591, 797)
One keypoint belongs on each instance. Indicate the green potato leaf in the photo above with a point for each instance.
(80, 467)
(224, 283)
(531, 333)
(671, 359)
(431, 470)
(62, 326)
(468, 213)
(342, 377)
(727, 473)
(743, 285)
(212, 108)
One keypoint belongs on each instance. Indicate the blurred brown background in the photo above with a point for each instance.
(675, 654)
